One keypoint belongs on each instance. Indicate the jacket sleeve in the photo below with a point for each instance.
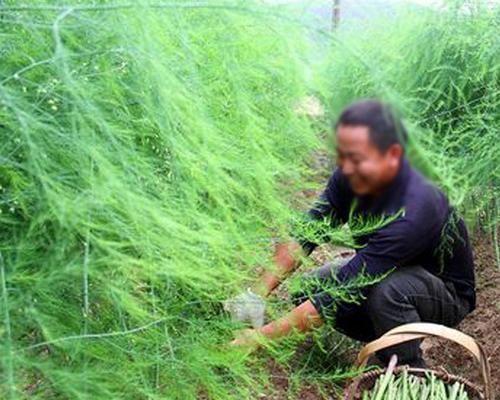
(327, 206)
(396, 244)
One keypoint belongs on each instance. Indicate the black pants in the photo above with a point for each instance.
(409, 294)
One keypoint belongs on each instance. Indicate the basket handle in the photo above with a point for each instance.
(421, 330)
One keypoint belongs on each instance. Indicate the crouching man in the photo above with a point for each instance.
(426, 245)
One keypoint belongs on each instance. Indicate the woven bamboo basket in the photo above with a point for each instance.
(408, 332)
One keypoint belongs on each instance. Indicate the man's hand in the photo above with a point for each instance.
(246, 338)
(287, 257)
(247, 307)
(302, 318)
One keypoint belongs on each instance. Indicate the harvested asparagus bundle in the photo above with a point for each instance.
(410, 387)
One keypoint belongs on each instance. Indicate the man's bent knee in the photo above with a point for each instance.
(382, 295)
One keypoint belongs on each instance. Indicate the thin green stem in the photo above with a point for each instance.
(495, 233)
(8, 358)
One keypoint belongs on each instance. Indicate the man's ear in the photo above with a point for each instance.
(395, 152)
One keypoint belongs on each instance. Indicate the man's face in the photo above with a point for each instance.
(368, 169)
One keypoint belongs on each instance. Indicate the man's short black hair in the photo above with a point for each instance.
(385, 128)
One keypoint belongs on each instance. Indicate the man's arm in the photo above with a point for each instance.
(394, 245)
(287, 256)
(390, 247)
(302, 318)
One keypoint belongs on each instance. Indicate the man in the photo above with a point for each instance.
(423, 251)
